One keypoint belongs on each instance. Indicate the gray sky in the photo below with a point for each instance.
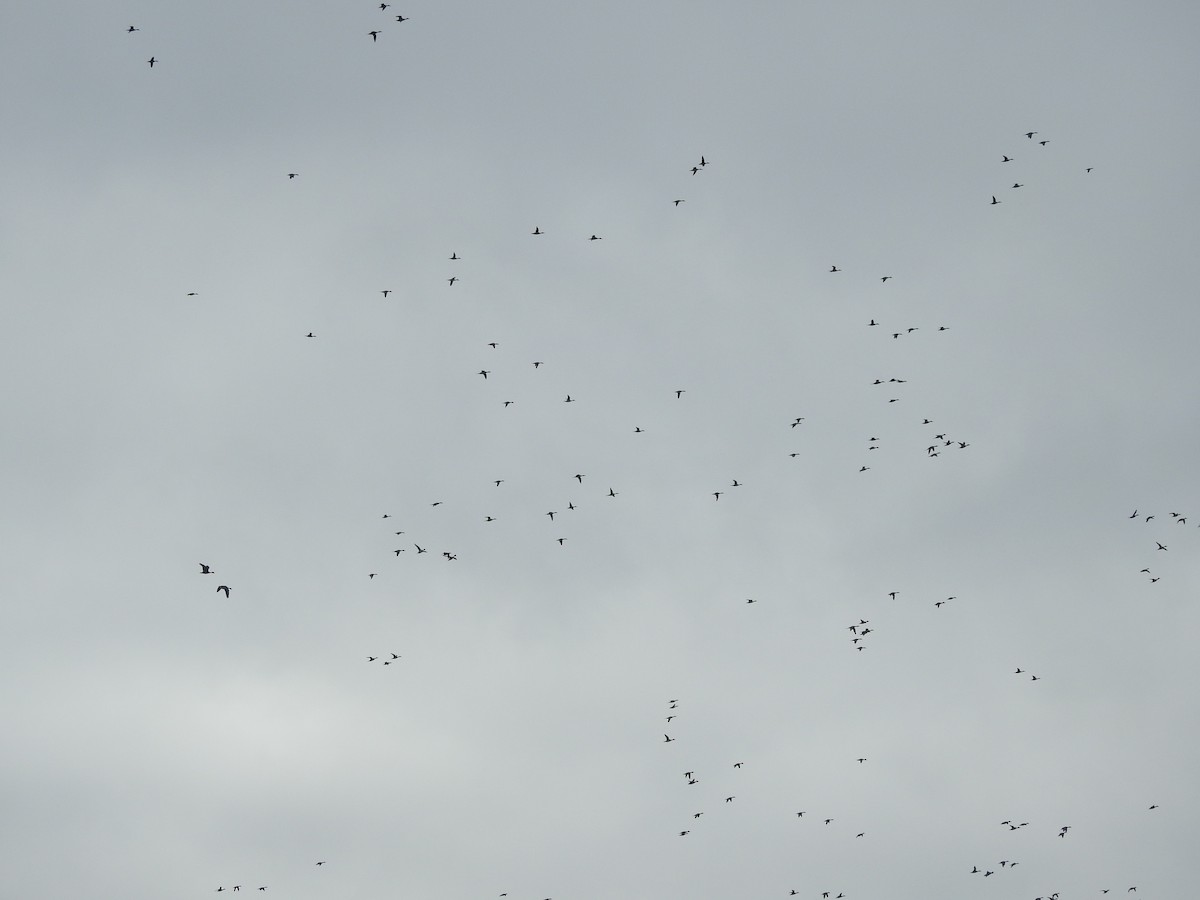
(160, 273)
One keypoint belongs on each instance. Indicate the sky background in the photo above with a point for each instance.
(164, 408)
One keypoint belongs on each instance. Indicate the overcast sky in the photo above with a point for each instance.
(166, 407)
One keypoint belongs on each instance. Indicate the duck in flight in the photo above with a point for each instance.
(152, 61)
(374, 36)
(205, 570)
(225, 588)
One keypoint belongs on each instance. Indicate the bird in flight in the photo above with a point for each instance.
(374, 35)
(834, 269)
(1030, 134)
(484, 373)
(225, 588)
(131, 29)
(385, 293)
(537, 230)
(420, 549)
(677, 202)
(152, 61)
(885, 278)
(679, 394)
(595, 238)
(205, 570)
(402, 18)
(292, 175)
(994, 200)
(452, 279)
(1160, 546)
(1006, 159)
(669, 739)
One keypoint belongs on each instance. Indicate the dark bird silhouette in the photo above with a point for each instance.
(374, 35)
(537, 230)
(1016, 185)
(1030, 134)
(452, 279)
(484, 373)
(152, 61)
(205, 570)
(834, 269)
(402, 18)
(1160, 546)
(679, 394)
(595, 238)
(1043, 143)
(885, 278)
(568, 400)
(454, 255)
(669, 739)
(677, 202)
(131, 29)
(225, 588)
(611, 492)
(420, 549)
(994, 200)
(292, 175)
(1006, 159)
(310, 334)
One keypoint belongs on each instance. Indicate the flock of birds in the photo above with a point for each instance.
(935, 441)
